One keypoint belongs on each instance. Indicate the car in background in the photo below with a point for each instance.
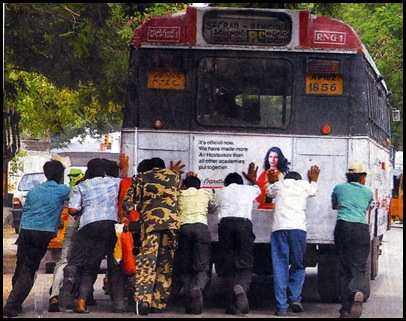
(28, 181)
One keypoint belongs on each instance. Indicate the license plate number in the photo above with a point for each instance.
(162, 78)
(324, 84)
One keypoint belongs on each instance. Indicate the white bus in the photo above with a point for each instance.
(217, 87)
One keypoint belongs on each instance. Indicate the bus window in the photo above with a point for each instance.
(244, 92)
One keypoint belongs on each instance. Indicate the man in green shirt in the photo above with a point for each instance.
(351, 237)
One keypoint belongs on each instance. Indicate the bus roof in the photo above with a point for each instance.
(262, 29)
(266, 28)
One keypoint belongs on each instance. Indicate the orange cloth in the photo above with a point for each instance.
(127, 241)
(124, 185)
(128, 260)
(134, 215)
(264, 201)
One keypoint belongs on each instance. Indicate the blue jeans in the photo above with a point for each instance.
(288, 248)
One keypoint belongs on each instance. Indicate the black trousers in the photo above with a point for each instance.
(236, 242)
(352, 242)
(32, 247)
(192, 257)
(92, 243)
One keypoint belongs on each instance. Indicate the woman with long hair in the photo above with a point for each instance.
(274, 159)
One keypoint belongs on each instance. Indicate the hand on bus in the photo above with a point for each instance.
(272, 176)
(191, 174)
(177, 167)
(123, 165)
(252, 173)
(313, 173)
(123, 161)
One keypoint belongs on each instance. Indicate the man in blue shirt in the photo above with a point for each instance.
(95, 201)
(39, 224)
(351, 236)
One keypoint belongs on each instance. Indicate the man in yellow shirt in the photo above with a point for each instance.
(192, 258)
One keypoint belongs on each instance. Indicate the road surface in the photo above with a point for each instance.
(386, 300)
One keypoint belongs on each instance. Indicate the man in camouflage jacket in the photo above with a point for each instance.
(154, 193)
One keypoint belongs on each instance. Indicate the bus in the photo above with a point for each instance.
(217, 87)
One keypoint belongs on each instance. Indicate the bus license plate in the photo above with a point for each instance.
(164, 78)
(324, 84)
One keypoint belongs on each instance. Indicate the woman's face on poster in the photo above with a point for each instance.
(273, 160)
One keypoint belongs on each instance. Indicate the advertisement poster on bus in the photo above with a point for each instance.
(216, 156)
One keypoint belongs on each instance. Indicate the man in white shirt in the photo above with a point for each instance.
(288, 235)
(236, 237)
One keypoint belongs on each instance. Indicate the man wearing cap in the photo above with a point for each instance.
(351, 237)
(75, 175)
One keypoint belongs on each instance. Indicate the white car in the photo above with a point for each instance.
(28, 181)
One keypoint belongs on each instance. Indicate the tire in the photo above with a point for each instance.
(327, 278)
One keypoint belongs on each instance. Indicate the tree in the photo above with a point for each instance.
(380, 26)
(66, 63)
(11, 145)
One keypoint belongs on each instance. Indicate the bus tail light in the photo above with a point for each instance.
(158, 124)
(326, 130)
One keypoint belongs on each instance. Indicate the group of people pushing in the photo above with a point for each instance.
(175, 244)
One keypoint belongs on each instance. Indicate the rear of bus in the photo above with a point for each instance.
(217, 87)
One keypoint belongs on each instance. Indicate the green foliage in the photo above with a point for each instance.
(16, 165)
(66, 64)
(380, 26)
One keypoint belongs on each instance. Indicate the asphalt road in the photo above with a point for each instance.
(386, 300)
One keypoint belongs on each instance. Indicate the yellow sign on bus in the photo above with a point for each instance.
(324, 84)
(166, 78)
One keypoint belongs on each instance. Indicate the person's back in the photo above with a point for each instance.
(236, 237)
(44, 203)
(236, 199)
(352, 200)
(194, 202)
(157, 198)
(97, 197)
(155, 194)
(192, 257)
(288, 235)
(291, 195)
(39, 224)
